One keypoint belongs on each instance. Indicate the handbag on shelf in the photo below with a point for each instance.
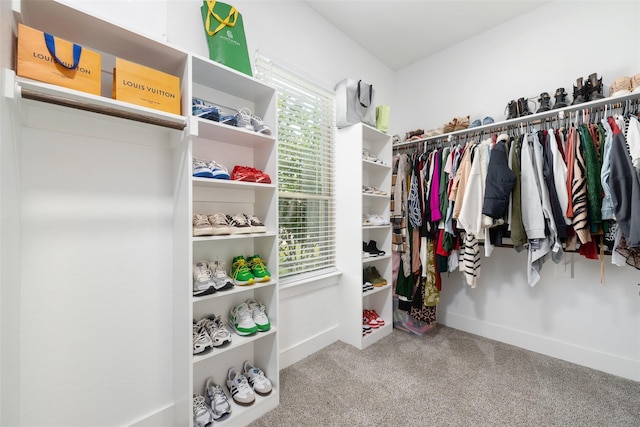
(355, 103)
(224, 30)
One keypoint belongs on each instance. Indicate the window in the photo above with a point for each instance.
(306, 140)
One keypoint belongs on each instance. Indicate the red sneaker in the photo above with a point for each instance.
(373, 315)
(243, 173)
(371, 320)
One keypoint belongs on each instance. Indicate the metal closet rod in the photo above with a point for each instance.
(616, 102)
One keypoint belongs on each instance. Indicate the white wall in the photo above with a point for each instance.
(576, 319)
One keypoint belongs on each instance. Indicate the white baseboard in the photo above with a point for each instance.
(309, 346)
(609, 363)
(161, 418)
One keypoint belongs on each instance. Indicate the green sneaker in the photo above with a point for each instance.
(258, 269)
(240, 272)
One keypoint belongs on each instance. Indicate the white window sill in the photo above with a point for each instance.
(309, 284)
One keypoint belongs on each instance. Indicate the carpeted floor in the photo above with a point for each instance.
(448, 378)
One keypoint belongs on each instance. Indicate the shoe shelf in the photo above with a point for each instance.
(375, 196)
(377, 334)
(176, 139)
(369, 259)
(236, 341)
(215, 131)
(377, 289)
(228, 183)
(356, 141)
(237, 289)
(228, 237)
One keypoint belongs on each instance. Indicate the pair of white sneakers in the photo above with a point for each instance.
(209, 278)
(212, 406)
(209, 332)
(244, 385)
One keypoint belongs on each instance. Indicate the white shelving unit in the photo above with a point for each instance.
(352, 204)
(231, 146)
(100, 192)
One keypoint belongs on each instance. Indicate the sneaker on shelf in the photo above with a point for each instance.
(241, 320)
(373, 314)
(372, 249)
(238, 224)
(259, 126)
(365, 254)
(239, 387)
(201, 339)
(258, 381)
(203, 283)
(219, 224)
(243, 116)
(202, 415)
(218, 171)
(261, 177)
(367, 286)
(257, 226)
(243, 173)
(366, 329)
(202, 226)
(229, 120)
(375, 219)
(371, 321)
(204, 110)
(221, 281)
(371, 275)
(240, 272)
(260, 318)
(216, 399)
(216, 330)
(201, 169)
(258, 269)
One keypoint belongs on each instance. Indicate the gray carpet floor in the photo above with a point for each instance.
(448, 378)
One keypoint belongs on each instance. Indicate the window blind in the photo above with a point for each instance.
(306, 150)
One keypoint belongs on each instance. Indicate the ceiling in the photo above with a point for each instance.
(401, 32)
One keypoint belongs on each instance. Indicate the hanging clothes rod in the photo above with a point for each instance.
(535, 118)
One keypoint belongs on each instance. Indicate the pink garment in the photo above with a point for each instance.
(434, 197)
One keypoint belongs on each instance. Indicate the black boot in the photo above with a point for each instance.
(523, 107)
(579, 92)
(513, 110)
(561, 98)
(594, 87)
(545, 102)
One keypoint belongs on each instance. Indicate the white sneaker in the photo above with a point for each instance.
(203, 283)
(238, 224)
(257, 380)
(201, 339)
(201, 226)
(216, 330)
(216, 398)
(221, 281)
(243, 116)
(219, 224)
(202, 415)
(259, 126)
(259, 316)
(239, 388)
(241, 320)
(257, 226)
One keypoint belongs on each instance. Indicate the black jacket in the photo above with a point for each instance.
(499, 183)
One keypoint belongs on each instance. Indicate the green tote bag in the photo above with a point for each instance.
(224, 30)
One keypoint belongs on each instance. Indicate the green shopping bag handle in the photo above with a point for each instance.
(229, 21)
(370, 95)
(51, 46)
